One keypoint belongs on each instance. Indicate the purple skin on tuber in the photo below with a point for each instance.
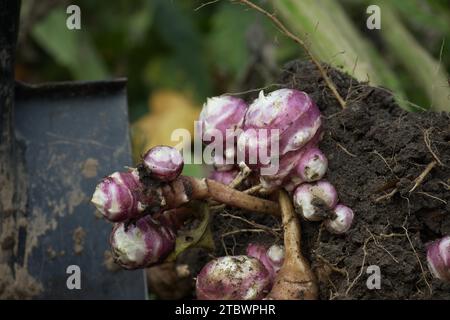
(143, 243)
(224, 115)
(233, 278)
(118, 196)
(438, 258)
(342, 221)
(220, 163)
(284, 173)
(163, 163)
(312, 165)
(304, 165)
(224, 177)
(291, 112)
(305, 195)
(253, 145)
(272, 258)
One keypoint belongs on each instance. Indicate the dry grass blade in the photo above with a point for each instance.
(418, 260)
(243, 174)
(422, 176)
(273, 231)
(426, 138)
(361, 270)
(386, 196)
(345, 150)
(299, 41)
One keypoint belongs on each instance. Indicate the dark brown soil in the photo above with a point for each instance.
(374, 149)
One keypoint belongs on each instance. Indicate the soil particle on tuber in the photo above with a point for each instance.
(377, 153)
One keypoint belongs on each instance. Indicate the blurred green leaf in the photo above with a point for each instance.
(417, 61)
(70, 48)
(139, 23)
(194, 170)
(334, 38)
(181, 35)
(199, 236)
(227, 41)
(424, 14)
(164, 72)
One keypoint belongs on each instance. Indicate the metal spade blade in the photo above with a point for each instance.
(56, 142)
(72, 135)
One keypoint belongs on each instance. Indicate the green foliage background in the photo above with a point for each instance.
(224, 47)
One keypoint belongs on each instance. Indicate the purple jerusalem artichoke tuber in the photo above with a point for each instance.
(342, 220)
(254, 147)
(286, 165)
(233, 278)
(163, 163)
(306, 195)
(312, 166)
(291, 112)
(272, 258)
(142, 243)
(304, 165)
(118, 196)
(438, 258)
(222, 113)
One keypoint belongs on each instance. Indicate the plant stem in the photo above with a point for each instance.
(244, 172)
(185, 189)
(422, 176)
(175, 217)
(295, 280)
(251, 190)
(232, 197)
(291, 225)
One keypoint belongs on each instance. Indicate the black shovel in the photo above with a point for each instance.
(56, 142)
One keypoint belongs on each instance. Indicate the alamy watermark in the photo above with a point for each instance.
(254, 146)
(374, 20)
(374, 280)
(73, 21)
(74, 279)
